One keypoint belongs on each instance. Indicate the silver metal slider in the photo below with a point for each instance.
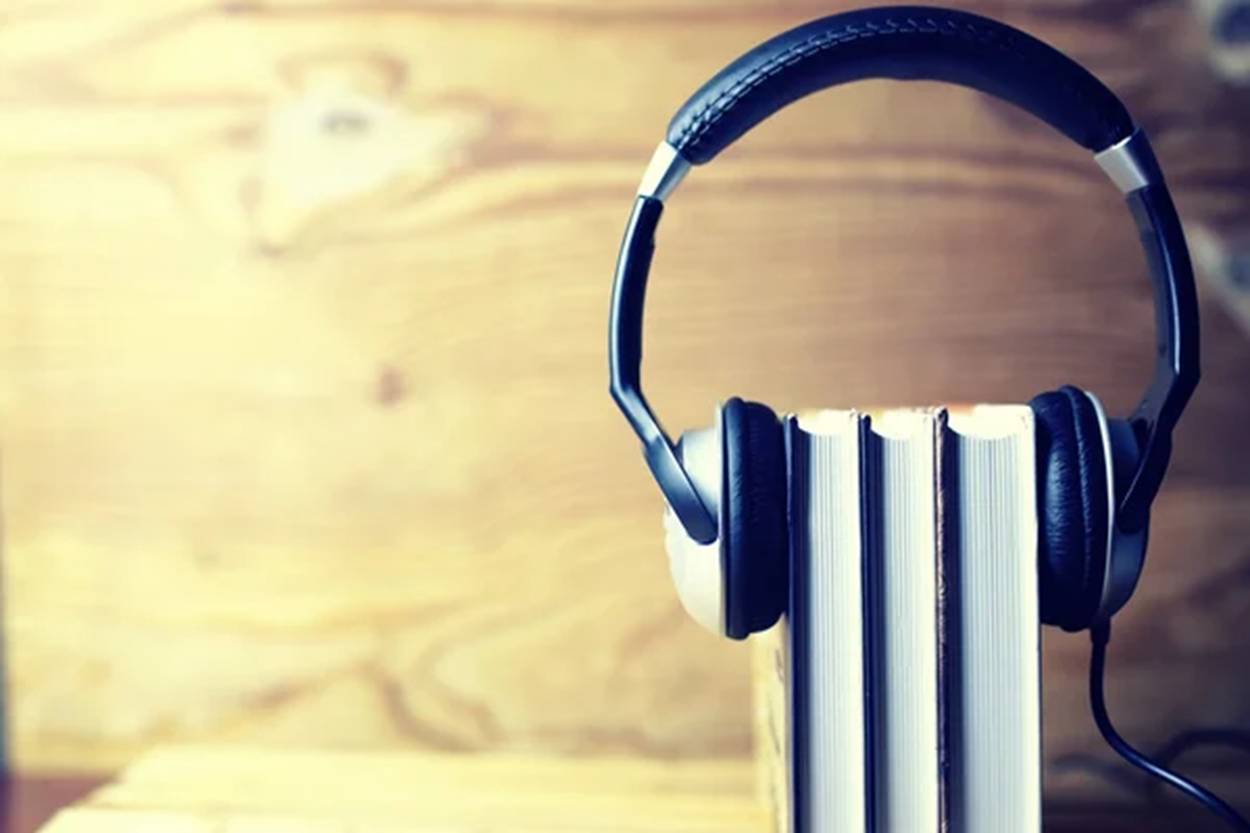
(664, 173)
(1130, 163)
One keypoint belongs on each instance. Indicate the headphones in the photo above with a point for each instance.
(727, 530)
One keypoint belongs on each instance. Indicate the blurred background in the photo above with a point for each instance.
(304, 429)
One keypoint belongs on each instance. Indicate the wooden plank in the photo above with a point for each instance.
(438, 792)
(245, 789)
(95, 820)
(303, 430)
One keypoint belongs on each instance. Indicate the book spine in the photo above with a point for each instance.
(869, 523)
(798, 445)
(947, 604)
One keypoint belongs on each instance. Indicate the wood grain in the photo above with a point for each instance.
(304, 433)
(212, 788)
(219, 788)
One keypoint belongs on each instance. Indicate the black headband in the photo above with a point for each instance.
(907, 43)
(915, 42)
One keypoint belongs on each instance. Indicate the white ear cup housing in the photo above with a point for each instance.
(698, 569)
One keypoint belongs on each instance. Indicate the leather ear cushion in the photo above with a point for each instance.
(1073, 507)
(755, 546)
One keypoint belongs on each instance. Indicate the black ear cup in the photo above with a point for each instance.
(1073, 504)
(754, 547)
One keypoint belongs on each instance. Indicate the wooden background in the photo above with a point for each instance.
(304, 429)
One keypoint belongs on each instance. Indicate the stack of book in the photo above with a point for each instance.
(901, 694)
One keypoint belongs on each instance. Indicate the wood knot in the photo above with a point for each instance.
(391, 387)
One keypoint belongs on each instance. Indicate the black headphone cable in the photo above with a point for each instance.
(1100, 635)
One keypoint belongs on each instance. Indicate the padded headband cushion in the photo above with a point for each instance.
(754, 541)
(1073, 511)
(900, 42)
